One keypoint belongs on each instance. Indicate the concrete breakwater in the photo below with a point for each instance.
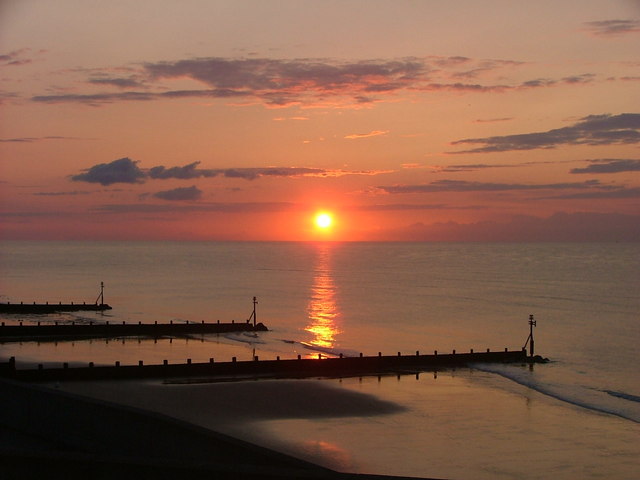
(286, 368)
(57, 331)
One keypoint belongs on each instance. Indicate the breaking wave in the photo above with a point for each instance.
(620, 404)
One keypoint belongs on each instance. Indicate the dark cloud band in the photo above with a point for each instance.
(125, 170)
(592, 130)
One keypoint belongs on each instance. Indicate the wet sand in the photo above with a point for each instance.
(74, 430)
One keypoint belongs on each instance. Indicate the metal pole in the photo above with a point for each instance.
(532, 323)
(255, 302)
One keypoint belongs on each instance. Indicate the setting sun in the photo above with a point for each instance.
(323, 220)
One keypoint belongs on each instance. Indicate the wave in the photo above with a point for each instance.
(243, 338)
(626, 396)
(579, 396)
(329, 351)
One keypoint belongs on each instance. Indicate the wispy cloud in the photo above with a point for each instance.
(470, 167)
(62, 194)
(493, 120)
(373, 133)
(440, 186)
(309, 82)
(180, 194)
(15, 58)
(414, 206)
(36, 139)
(613, 28)
(592, 130)
(188, 171)
(614, 193)
(152, 208)
(609, 165)
(8, 97)
(120, 82)
(125, 170)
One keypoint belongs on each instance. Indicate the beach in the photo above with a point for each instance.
(45, 431)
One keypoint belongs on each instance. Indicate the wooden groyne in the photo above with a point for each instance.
(289, 368)
(46, 308)
(70, 331)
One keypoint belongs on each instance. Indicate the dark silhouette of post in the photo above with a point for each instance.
(255, 302)
(532, 323)
(101, 295)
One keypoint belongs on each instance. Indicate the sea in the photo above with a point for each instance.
(577, 416)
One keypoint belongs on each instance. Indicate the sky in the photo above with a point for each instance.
(240, 120)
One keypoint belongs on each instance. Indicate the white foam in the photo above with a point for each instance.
(602, 401)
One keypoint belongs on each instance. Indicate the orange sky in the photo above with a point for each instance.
(240, 120)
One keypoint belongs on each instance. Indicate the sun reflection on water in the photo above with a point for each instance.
(322, 310)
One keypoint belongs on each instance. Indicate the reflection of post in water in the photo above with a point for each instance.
(322, 310)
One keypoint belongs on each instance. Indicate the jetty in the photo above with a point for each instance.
(279, 368)
(48, 308)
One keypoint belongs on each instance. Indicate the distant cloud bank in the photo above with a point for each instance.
(559, 227)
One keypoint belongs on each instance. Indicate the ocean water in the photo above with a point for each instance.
(575, 417)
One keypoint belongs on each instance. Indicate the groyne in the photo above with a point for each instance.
(47, 308)
(285, 368)
(70, 331)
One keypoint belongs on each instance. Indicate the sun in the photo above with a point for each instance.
(323, 220)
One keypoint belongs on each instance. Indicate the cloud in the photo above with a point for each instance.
(559, 227)
(7, 97)
(412, 206)
(466, 186)
(603, 129)
(617, 193)
(188, 171)
(180, 194)
(274, 82)
(613, 28)
(582, 78)
(130, 82)
(373, 133)
(123, 170)
(609, 165)
(149, 208)
(493, 120)
(311, 82)
(469, 167)
(60, 194)
(283, 119)
(15, 58)
(36, 139)
(292, 172)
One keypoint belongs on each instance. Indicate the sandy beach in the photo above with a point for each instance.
(134, 430)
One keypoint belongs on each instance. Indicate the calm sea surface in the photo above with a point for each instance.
(575, 417)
